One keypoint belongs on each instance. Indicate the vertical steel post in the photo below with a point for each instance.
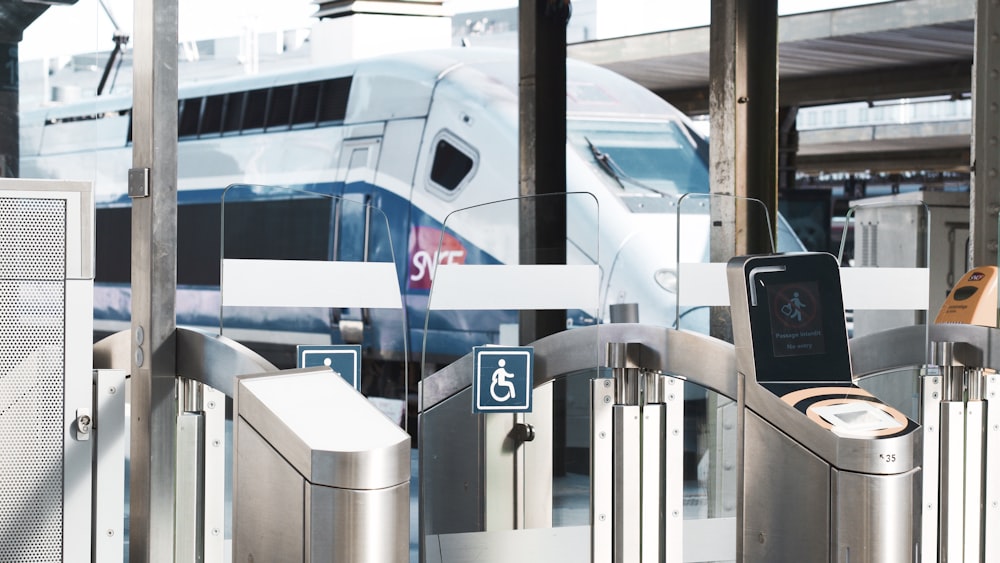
(743, 105)
(931, 392)
(602, 398)
(153, 188)
(542, 170)
(991, 502)
(985, 136)
(542, 108)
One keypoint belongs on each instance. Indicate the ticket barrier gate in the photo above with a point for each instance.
(830, 473)
(950, 388)
(487, 491)
(635, 490)
(837, 482)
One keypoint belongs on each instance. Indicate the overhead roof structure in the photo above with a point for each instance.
(906, 48)
(16, 15)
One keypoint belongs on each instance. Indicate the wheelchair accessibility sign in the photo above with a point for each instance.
(344, 360)
(503, 378)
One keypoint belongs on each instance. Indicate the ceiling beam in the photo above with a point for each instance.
(952, 159)
(952, 78)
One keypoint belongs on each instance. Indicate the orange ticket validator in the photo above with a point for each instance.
(973, 300)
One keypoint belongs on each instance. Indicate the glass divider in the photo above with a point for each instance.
(309, 277)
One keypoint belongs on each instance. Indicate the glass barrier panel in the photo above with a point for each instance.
(571, 487)
(478, 274)
(898, 388)
(886, 278)
(479, 472)
(710, 461)
(306, 277)
(701, 281)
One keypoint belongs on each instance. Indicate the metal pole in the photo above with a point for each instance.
(153, 189)
(542, 101)
(542, 149)
(743, 106)
(985, 178)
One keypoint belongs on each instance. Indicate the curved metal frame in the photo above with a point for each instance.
(211, 359)
(905, 347)
(706, 361)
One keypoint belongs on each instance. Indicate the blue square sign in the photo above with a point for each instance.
(344, 360)
(504, 378)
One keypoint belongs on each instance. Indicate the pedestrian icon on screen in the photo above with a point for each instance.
(501, 379)
(793, 309)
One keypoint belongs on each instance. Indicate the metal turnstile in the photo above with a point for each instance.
(830, 473)
(319, 474)
(953, 385)
(476, 471)
(805, 465)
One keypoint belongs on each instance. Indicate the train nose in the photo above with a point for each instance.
(644, 271)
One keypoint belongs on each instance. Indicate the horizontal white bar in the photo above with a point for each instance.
(309, 283)
(886, 288)
(496, 287)
(704, 284)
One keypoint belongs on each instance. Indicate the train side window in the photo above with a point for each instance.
(190, 115)
(306, 104)
(333, 99)
(452, 164)
(113, 241)
(232, 114)
(256, 108)
(211, 117)
(280, 107)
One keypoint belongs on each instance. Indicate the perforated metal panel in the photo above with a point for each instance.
(32, 375)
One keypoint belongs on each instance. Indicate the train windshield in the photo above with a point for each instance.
(662, 157)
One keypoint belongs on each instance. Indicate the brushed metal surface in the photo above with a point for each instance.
(974, 480)
(351, 526)
(627, 517)
(451, 498)
(313, 418)
(653, 480)
(886, 456)
(930, 420)
(268, 502)
(907, 347)
(786, 498)
(706, 361)
(602, 393)
(872, 517)
(154, 284)
(991, 547)
(211, 359)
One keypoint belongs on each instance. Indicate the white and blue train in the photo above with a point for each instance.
(417, 135)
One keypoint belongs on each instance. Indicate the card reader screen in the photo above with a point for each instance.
(796, 318)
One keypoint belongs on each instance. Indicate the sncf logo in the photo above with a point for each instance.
(425, 253)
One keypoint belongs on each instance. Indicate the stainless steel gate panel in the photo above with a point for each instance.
(453, 497)
(320, 473)
(787, 490)
(450, 485)
(279, 497)
(878, 535)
